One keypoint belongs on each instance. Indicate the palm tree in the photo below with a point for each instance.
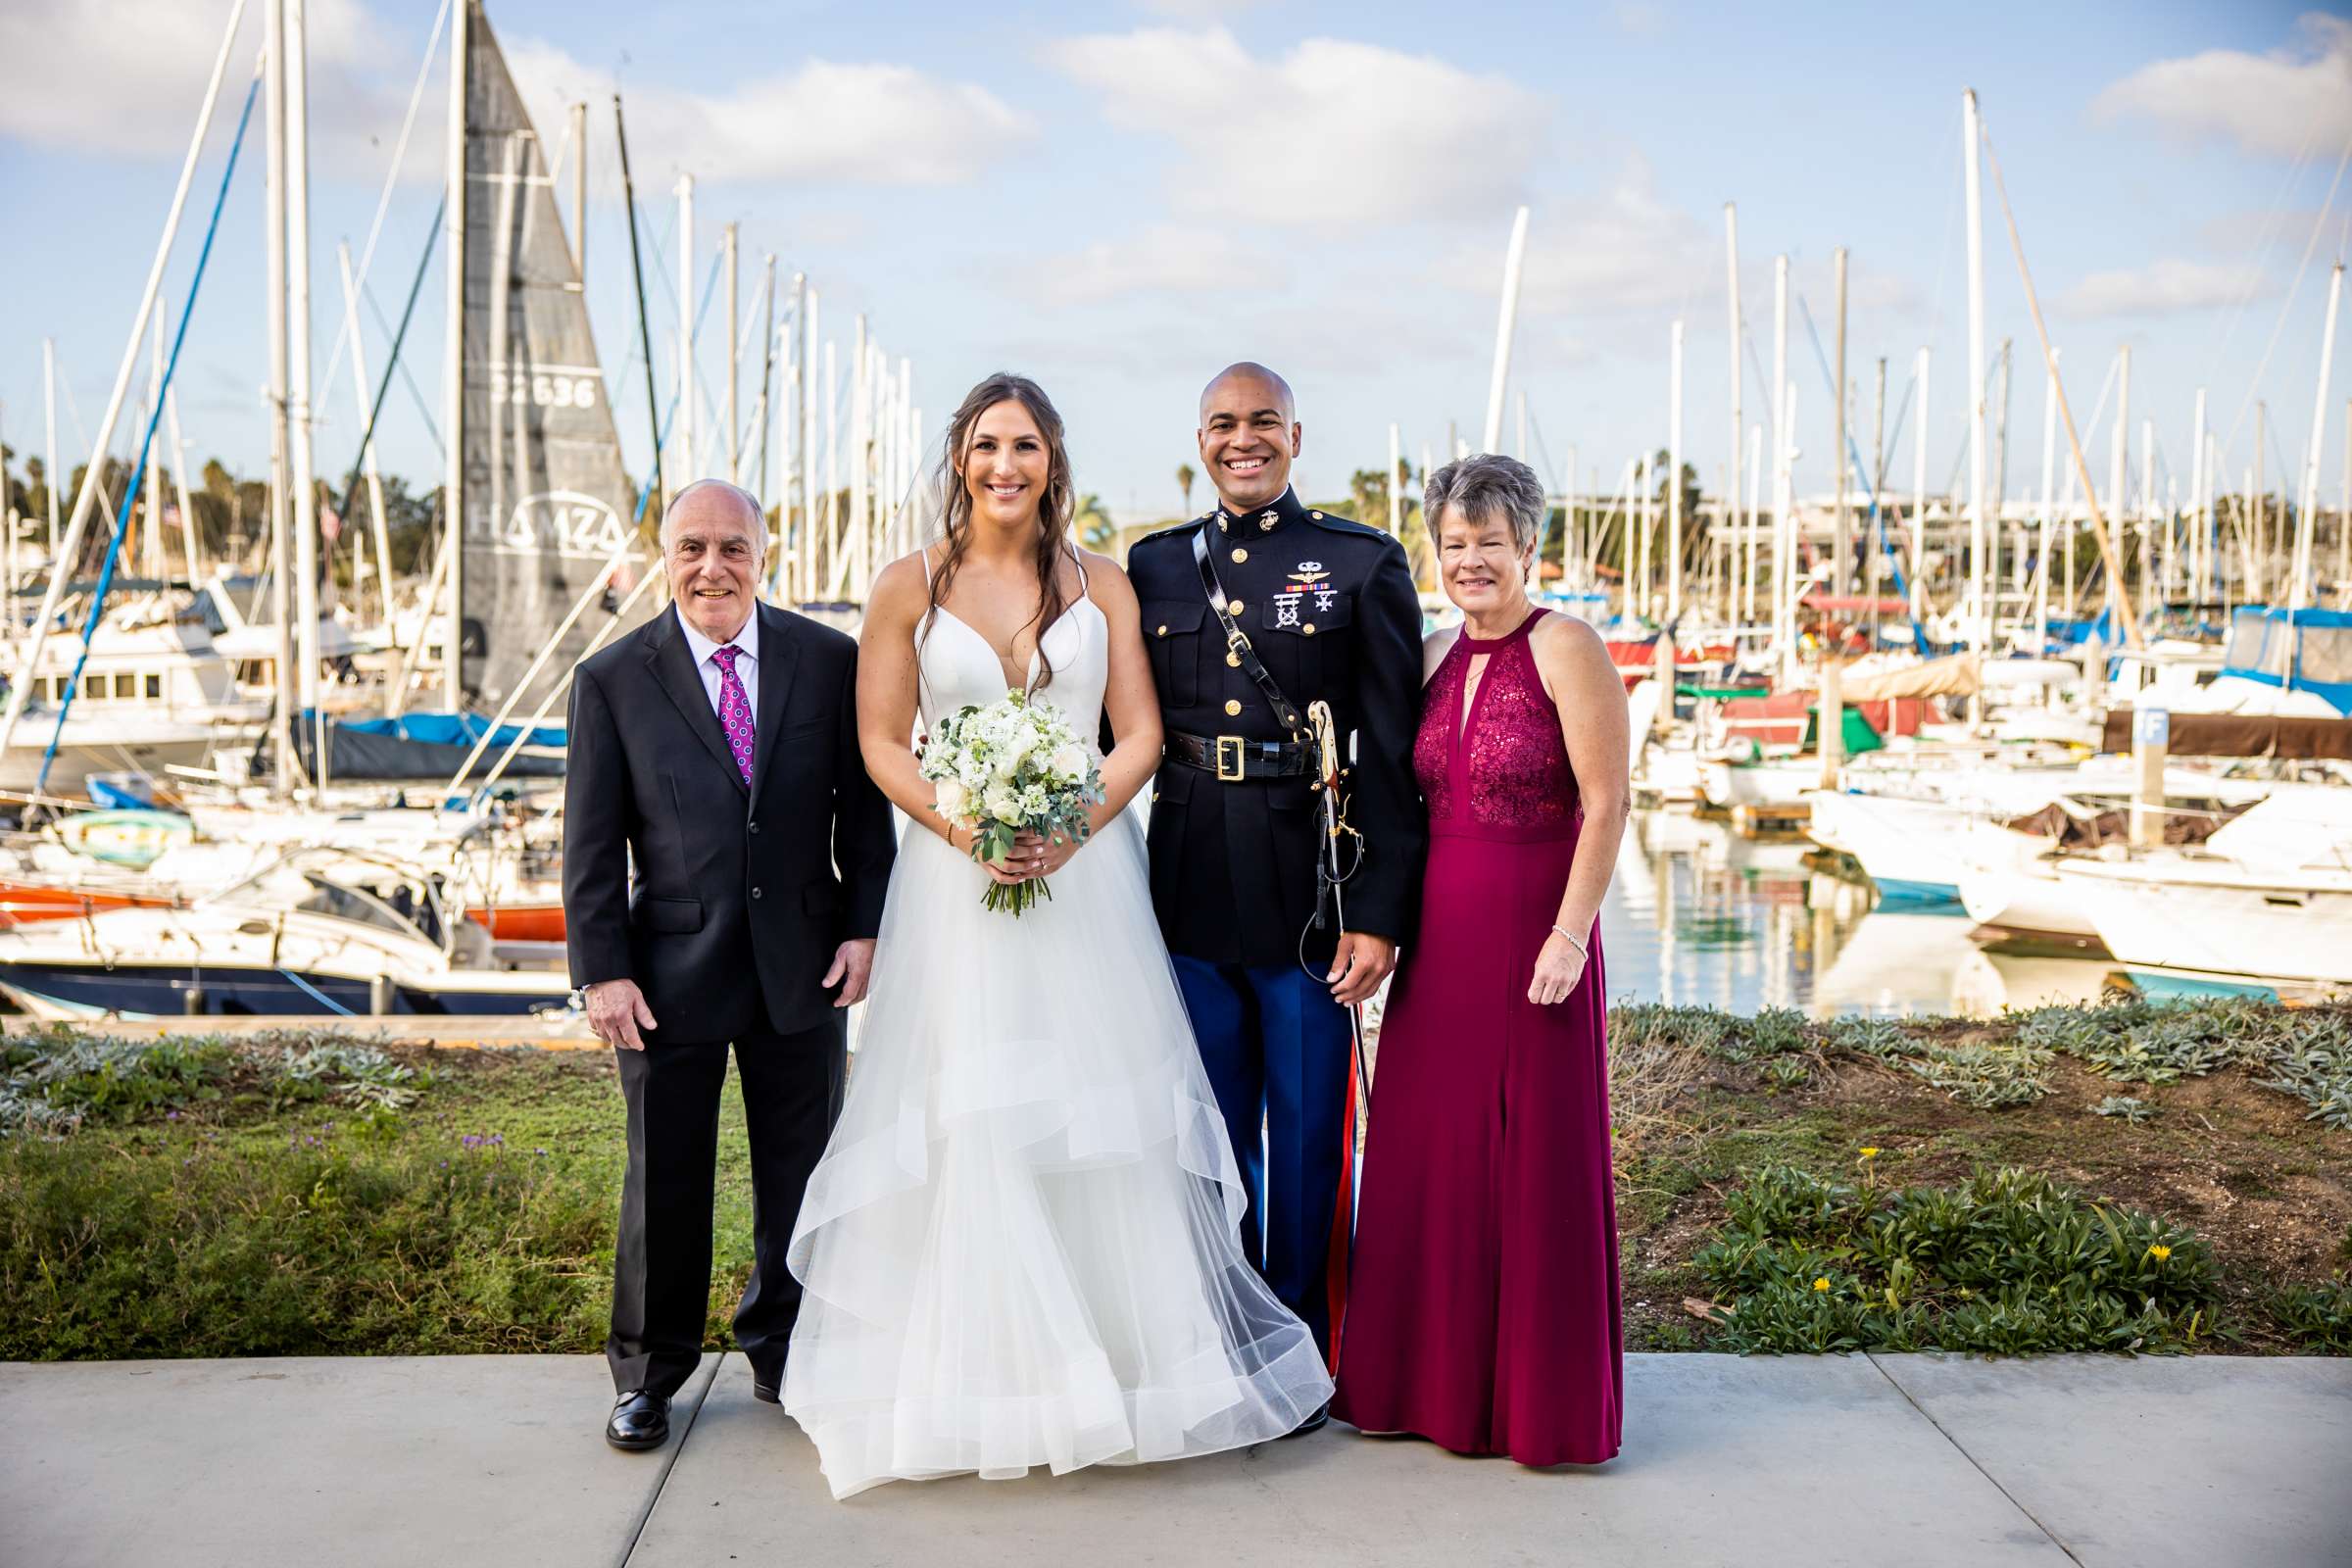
(1184, 477)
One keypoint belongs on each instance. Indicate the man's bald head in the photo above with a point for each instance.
(1249, 434)
(704, 496)
(1254, 383)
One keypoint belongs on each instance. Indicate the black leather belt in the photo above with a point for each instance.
(1233, 758)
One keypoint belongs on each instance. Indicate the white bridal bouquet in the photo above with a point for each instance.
(1013, 767)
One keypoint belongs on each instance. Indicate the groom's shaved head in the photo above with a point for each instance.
(1253, 384)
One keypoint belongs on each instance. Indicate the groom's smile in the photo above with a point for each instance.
(1248, 435)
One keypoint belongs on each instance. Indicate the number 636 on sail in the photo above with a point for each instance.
(546, 389)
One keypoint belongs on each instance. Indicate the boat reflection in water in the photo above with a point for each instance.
(1698, 915)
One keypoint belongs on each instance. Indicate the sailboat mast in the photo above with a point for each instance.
(2050, 485)
(1841, 540)
(1674, 477)
(2299, 591)
(1919, 499)
(1975, 619)
(728, 249)
(281, 552)
(687, 465)
(305, 512)
(453, 413)
(1746, 566)
(49, 410)
(2196, 505)
(379, 531)
(579, 191)
(1509, 316)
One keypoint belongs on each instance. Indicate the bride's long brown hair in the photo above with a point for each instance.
(1053, 507)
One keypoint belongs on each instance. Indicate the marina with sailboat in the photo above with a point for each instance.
(2089, 721)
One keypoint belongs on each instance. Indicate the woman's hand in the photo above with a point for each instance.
(1040, 856)
(964, 840)
(1558, 969)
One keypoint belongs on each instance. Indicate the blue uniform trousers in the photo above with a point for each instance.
(1277, 1047)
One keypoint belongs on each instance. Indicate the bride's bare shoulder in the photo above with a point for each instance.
(900, 593)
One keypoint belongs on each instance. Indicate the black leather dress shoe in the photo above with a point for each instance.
(1315, 1421)
(766, 1393)
(641, 1420)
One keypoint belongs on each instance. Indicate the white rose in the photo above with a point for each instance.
(952, 798)
(1069, 762)
(1003, 804)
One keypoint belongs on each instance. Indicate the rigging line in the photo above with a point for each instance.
(424, 410)
(179, 338)
(384, 386)
(2273, 225)
(2286, 304)
(383, 200)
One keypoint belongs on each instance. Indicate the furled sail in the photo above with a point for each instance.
(549, 509)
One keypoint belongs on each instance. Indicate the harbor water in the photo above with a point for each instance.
(1698, 915)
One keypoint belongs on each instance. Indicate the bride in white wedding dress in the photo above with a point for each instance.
(1022, 1246)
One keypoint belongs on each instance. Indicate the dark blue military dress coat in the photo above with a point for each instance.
(1330, 606)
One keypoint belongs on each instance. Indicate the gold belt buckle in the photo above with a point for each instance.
(1229, 747)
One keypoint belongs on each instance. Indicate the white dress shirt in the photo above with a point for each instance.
(747, 667)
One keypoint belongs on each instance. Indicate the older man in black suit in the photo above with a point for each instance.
(724, 862)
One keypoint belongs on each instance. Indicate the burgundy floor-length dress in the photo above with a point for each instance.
(1482, 1309)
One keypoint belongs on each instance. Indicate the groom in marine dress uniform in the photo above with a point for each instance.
(1267, 970)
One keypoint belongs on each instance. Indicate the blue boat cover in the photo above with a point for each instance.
(450, 729)
(2298, 650)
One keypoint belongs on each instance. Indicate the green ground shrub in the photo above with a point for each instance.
(2007, 1264)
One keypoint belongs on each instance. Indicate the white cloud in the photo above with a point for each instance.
(2271, 103)
(1624, 247)
(126, 79)
(1168, 259)
(875, 123)
(2164, 287)
(1331, 134)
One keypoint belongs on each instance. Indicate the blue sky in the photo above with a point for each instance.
(1119, 199)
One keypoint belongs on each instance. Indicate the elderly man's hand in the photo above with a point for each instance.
(852, 966)
(616, 1011)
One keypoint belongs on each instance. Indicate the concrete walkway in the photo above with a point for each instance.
(1916, 1460)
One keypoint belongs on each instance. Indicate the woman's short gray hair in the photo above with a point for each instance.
(1483, 486)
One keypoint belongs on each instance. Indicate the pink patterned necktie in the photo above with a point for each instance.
(734, 709)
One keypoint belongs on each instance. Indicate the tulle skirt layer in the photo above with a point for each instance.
(1022, 1246)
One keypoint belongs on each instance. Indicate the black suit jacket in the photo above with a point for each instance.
(723, 903)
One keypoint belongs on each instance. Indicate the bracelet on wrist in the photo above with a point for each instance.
(1582, 949)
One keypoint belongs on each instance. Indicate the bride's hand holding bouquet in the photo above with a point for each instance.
(1019, 780)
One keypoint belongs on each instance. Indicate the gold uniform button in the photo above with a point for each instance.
(1317, 516)
(1233, 661)
(1240, 555)
(1233, 708)
(1155, 795)
(1307, 630)
(1232, 606)
(1164, 631)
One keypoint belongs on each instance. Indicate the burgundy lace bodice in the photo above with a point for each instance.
(1504, 774)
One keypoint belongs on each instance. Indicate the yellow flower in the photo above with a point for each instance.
(1870, 1154)
(1822, 1283)
(2159, 1252)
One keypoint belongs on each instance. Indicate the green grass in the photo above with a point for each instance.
(309, 1193)
(210, 1202)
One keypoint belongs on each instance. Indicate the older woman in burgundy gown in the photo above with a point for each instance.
(1481, 1312)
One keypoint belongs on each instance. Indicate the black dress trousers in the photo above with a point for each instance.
(791, 1090)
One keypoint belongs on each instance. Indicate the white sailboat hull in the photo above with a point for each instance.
(2173, 913)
